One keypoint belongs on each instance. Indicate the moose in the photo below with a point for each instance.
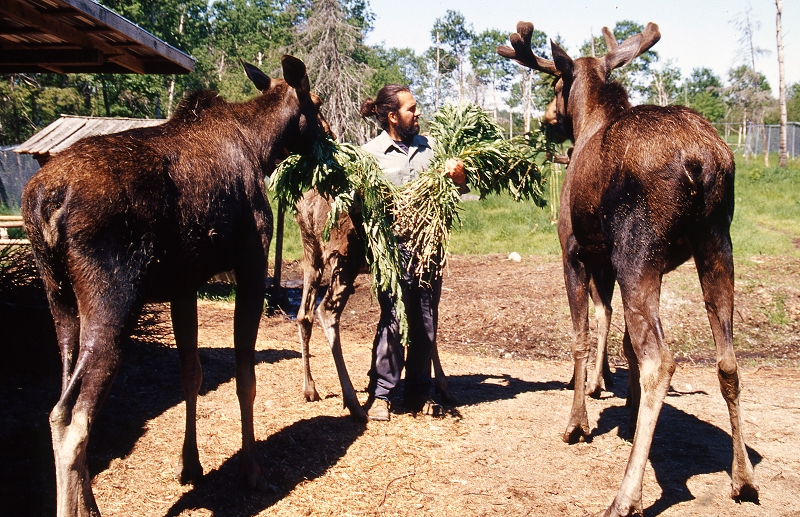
(151, 214)
(646, 189)
(344, 255)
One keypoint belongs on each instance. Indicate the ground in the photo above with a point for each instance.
(504, 341)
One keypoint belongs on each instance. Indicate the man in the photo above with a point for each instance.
(402, 153)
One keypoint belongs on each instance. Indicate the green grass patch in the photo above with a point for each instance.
(766, 219)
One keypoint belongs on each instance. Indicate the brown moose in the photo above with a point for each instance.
(150, 215)
(647, 188)
(344, 256)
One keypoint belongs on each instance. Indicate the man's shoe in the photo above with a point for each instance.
(378, 409)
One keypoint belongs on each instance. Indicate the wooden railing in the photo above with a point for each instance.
(11, 221)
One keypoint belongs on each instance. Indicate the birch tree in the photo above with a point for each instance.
(781, 83)
(748, 52)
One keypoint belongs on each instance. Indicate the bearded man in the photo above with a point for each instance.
(402, 153)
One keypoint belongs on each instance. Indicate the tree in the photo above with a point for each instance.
(453, 32)
(748, 94)
(489, 67)
(664, 88)
(782, 84)
(703, 93)
(748, 52)
(793, 102)
(327, 43)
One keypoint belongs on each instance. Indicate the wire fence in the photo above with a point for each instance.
(753, 137)
(15, 171)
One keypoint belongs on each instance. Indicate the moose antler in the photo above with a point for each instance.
(522, 52)
(623, 53)
(611, 40)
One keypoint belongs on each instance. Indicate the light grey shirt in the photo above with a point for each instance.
(399, 167)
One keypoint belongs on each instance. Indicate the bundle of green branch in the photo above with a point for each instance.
(338, 172)
(422, 213)
(427, 207)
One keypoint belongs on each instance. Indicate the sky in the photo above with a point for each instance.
(694, 33)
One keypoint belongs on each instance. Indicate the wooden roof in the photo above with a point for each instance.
(80, 36)
(68, 129)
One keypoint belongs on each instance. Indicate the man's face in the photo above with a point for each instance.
(407, 117)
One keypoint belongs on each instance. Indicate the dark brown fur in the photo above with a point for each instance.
(647, 188)
(344, 256)
(151, 214)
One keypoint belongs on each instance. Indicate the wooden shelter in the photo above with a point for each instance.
(68, 129)
(80, 36)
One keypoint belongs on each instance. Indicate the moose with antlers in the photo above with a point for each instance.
(647, 188)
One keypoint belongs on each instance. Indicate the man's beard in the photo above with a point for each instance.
(407, 132)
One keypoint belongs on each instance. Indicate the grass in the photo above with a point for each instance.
(766, 219)
(767, 215)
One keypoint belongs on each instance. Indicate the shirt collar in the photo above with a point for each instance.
(387, 143)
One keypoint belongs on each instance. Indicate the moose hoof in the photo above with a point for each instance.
(310, 393)
(594, 391)
(312, 396)
(625, 509)
(189, 473)
(575, 433)
(358, 413)
(744, 492)
(614, 512)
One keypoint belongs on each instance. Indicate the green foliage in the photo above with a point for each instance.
(704, 94)
(489, 66)
(793, 102)
(393, 66)
(455, 36)
(337, 172)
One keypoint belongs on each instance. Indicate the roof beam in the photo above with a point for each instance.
(40, 20)
(47, 58)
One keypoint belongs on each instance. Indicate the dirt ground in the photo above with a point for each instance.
(504, 341)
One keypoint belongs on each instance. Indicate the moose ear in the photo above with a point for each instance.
(294, 72)
(259, 78)
(562, 60)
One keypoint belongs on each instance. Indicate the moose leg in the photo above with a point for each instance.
(715, 269)
(250, 290)
(640, 296)
(184, 325)
(312, 274)
(577, 283)
(440, 379)
(634, 387)
(343, 275)
(64, 309)
(601, 290)
(96, 364)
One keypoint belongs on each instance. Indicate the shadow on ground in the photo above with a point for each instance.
(300, 452)
(683, 446)
(147, 384)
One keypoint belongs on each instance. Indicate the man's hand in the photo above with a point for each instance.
(454, 168)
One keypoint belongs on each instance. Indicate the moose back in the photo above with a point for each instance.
(151, 214)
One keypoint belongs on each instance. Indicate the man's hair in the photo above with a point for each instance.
(384, 103)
